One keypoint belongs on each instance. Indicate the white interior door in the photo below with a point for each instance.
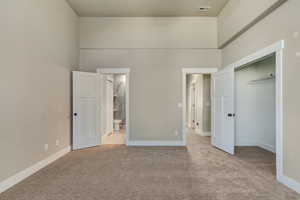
(86, 110)
(223, 134)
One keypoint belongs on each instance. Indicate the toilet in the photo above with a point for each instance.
(117, 123)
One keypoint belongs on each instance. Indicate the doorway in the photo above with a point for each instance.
(114, 108)
(197, 101)
(114, 103)
(255, 113)
(93, 106)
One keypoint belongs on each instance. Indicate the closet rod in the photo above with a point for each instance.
(271, 77)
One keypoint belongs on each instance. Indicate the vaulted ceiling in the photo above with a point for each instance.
(143, 8)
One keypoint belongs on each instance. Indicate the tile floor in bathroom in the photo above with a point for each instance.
(116, 137)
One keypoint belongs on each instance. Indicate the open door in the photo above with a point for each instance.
(223, 134)
(86, 111)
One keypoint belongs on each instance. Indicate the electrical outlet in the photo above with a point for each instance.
(298, 54)
(46, 147)
(57, 142)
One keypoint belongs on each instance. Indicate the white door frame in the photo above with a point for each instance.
(185, 72)
(276, 49)
(126, 71)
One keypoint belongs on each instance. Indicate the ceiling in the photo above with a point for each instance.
(145, 8)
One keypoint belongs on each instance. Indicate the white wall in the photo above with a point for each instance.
(156, 50)
(148, 32)
(237, 14)
(255, 106)
(282, 24)
(39, 46)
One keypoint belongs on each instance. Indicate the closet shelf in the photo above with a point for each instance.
(271, 77)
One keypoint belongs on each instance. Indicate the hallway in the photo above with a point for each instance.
(117, 172)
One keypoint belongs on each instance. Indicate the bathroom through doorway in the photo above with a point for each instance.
(114, 107)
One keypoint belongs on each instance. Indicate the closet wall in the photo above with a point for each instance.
(256, 106)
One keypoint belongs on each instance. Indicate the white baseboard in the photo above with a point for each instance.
(246, 143)
(13, 180)
(267, 147)
(261, 145)
(289, 182)
(155, 143)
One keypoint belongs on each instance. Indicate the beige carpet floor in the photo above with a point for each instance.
(117, 172)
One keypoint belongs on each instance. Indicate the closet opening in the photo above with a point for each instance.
(255, 113)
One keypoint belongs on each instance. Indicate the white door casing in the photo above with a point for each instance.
(223, 135)
(109, 105)
(86, 110)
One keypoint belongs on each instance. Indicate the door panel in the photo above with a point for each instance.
(85, 110)
(223, 113)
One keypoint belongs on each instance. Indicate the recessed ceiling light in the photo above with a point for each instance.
(204, 8)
